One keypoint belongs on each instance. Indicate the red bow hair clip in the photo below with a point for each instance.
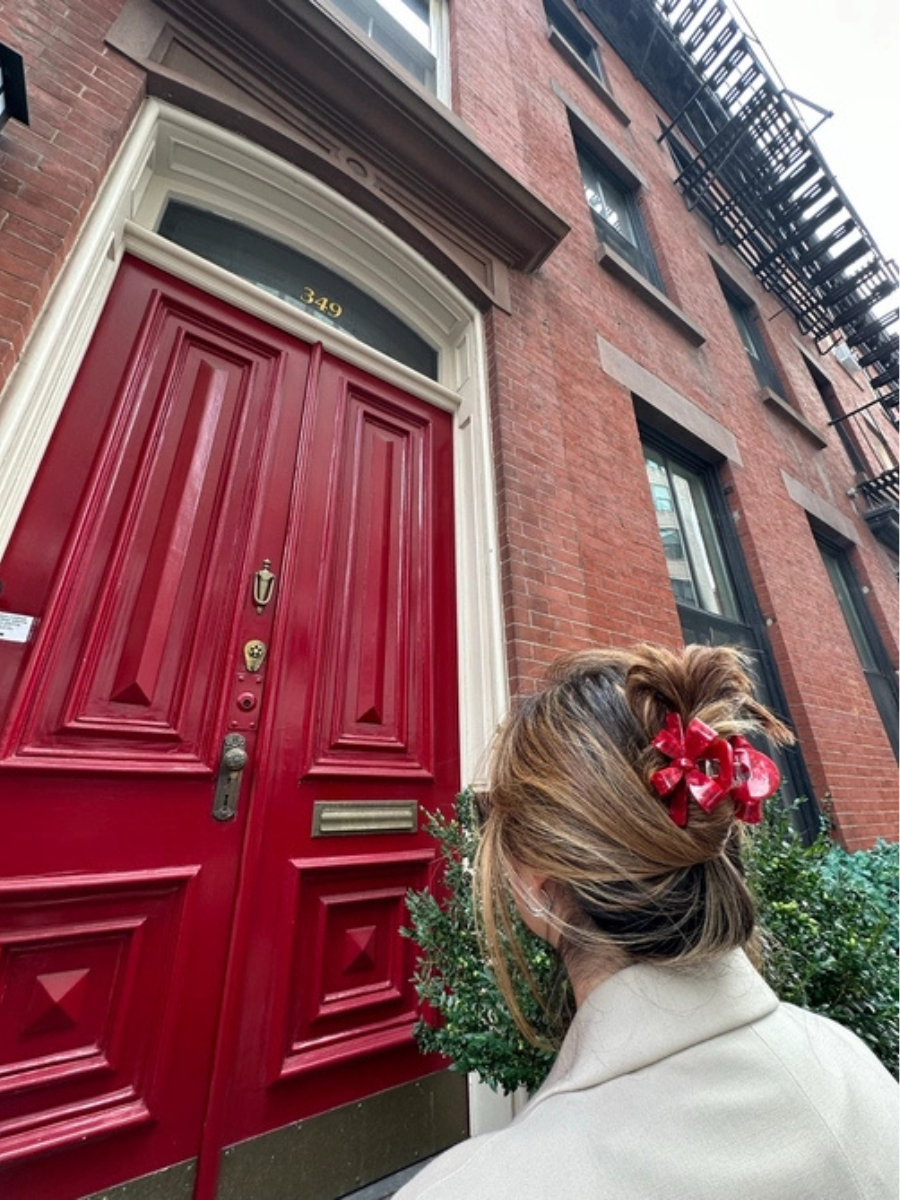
(742, 773)
(756, 778)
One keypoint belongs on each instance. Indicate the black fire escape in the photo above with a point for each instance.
(749, 164)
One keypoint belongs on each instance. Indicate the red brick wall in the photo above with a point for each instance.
(582, 558)
(81, 99)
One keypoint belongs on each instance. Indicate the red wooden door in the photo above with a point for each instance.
(166, 977)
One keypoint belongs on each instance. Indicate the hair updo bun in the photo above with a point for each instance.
(571, 800)
(707, 683)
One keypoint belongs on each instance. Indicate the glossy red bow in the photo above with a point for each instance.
(744, 773)
(684, 777)
(756, 778)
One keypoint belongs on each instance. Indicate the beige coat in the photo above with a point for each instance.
(690, 1085)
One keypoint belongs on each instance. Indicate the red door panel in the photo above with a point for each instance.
(363, 694)
(122, 673)
(117, 888)
(170, 983)
(371, 709)
(85, 993)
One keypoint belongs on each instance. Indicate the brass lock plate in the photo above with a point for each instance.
(254, 655)
(228, 784)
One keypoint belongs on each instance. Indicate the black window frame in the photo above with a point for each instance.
(745, 316)
(749, 632)
(835, 411)
(638, 253)
(867, 641)
(577, 38)
(13, 97)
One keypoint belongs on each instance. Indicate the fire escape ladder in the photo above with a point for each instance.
(749, 164)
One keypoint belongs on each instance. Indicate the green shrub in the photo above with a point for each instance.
(466, 1019)
(828, 921)
(829, 929)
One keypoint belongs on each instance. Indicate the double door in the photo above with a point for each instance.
(234, 698)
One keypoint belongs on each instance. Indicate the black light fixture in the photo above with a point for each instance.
(13, 101)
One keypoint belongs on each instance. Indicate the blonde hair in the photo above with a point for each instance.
(570, 799)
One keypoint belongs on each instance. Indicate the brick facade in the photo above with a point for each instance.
(582, 560)
(582, 556)
(82, 97)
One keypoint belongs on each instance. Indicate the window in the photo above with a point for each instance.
(291, 276)
(696, 565)
(13, 101)
(715, 601)
(574, 34)
(869, 647)
(411, 32)
(617, 220)
(745, 318)
(864, 438)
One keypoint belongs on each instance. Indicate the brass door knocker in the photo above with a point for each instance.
(263, 585)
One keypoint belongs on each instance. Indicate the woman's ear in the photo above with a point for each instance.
(533, 886)
(533, 903)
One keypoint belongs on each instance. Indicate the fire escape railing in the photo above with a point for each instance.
(749, 164)
(869, 436)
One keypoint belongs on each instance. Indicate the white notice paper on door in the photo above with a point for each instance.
(15, 627)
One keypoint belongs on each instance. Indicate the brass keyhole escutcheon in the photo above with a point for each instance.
(228, 785)
(254, 655)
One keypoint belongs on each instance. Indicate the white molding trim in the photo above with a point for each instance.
(37, 389)
(172, 153)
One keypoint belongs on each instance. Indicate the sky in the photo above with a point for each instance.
(845, 57)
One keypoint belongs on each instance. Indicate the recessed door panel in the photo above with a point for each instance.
(83, 993)
(233, 536)
(373, 704)
(350, 993)
(122, 673)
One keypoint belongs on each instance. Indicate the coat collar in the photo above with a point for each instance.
(645, 1013)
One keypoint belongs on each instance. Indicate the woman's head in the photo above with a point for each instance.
(571, 803)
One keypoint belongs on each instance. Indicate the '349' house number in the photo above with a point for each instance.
(329, 308)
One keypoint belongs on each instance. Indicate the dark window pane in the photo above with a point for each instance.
(872, 656)
(760, 360)
(683, 591)
(607, 198)
(616, 217)
(836, 573)
(300, 280)
(575, 34)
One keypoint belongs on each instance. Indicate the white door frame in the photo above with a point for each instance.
(172, 153)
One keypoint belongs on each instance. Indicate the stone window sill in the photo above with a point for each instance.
(596, 84)
(780, 405)
(622, 270)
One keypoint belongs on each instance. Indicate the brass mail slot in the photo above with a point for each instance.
(336, 818)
